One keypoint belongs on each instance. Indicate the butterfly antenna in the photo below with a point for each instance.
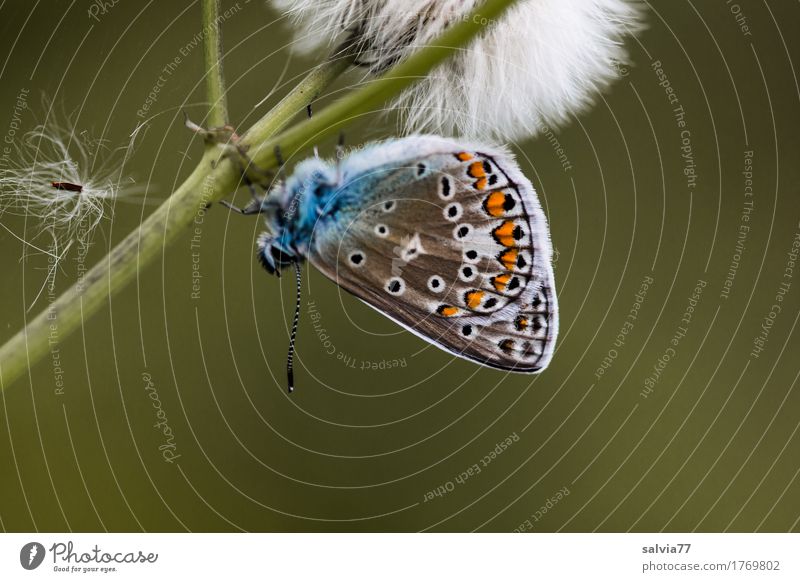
(290, 357)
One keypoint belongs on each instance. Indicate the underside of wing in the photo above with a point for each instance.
(449, 241)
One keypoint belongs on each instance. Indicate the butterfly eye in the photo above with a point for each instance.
(436, 284)
(357, 258)
(453, 211)
(396, 286)
(280, 257)
(381, 230)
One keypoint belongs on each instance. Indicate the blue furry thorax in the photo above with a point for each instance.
(293, 210)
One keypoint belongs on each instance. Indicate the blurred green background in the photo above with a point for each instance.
(712, 446)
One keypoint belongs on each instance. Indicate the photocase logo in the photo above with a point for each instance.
(31, 555)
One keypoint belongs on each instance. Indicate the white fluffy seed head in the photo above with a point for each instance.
(541, 63)
(55, 153)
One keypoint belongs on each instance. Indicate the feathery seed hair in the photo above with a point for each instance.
(63, 184)
(541, 63)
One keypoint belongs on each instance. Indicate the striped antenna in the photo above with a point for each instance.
(290, 357)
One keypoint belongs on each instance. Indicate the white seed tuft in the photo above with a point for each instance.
(64, 183)
(544, 61)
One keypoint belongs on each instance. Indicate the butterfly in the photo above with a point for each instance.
(446, 238)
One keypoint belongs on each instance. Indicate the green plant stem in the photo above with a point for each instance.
(215, 81)
(204, 186)
(119, 267)
(296, 101)
(210, 182)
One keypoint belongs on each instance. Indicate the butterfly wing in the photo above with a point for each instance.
(449, 240)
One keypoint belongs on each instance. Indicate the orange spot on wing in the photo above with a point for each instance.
(481, 184)
(447, 310)
(464, 156)
(507, 346)
(494, 204)
(476, 170)
(500, 281)
(473, 299)
(521, 323)
(504, 234)
(509, 258)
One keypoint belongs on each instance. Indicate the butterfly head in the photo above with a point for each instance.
(274, 254)
(291, 212)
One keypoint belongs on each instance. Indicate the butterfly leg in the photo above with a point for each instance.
(227, 137)
(224, 135)
(253, 208)
(310, 113)
(339, 157)
(256, 204)
(340, 146)
(279, 157)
